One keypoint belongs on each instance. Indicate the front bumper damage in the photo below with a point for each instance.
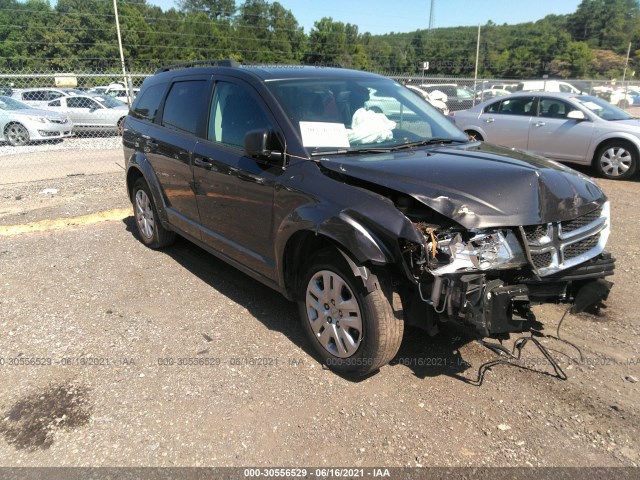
(474, 281)
(493, 307)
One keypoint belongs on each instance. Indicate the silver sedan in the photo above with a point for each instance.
(20, 123)
(92, 113)
(565, 127)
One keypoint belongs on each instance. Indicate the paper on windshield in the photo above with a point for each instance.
(324, 134)
(592, 106)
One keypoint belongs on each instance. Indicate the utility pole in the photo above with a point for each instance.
(124, 70)
(626, 64)
(431, 15)
(475, 75)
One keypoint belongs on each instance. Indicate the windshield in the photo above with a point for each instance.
(108, 101)
(601, 108)
(7, 103)
(360, 114)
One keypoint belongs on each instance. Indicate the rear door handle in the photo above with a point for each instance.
(490, 120)
(201, 162)
(540, 124)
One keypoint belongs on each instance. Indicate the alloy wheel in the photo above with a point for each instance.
(334, 314)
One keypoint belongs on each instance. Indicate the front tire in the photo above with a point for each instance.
(151, 231)
(354, 331)
(616, 160)
(16, 134)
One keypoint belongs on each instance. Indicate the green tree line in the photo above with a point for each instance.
(81, 35)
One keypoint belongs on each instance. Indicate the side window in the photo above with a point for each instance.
(512, 106)
(35, 96)
(55, 103)
(73, 102)
(553, 108)
(183, 101)
(146, 107)
(52, 95)
(80, 102)
(234, 112)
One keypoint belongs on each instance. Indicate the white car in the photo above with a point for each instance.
(616, 97)
(40, 97)
(20, 123)
(95, 113)
(565, 127)
(432, 98)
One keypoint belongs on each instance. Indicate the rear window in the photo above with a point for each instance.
(183, 101)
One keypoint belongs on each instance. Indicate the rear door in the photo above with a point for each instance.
(169, 146)
(506, 122)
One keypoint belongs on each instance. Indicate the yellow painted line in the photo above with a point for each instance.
(66, 222)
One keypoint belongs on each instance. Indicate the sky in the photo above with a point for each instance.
(386, 16)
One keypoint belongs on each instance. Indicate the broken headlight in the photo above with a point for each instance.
(486, 250)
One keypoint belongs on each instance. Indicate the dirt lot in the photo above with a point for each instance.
(112, 354)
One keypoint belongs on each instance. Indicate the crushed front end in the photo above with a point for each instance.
(488, 279)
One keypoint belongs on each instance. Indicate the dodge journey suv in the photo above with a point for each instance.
(369, 219)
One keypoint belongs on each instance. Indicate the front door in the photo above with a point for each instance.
(235, 192)
(553, 135)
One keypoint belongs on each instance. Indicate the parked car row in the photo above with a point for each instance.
(566, 127)
(83, 112)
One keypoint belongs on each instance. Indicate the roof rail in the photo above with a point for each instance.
(227, 62)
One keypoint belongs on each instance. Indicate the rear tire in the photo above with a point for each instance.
(151, 231)
(121, 126)
(354, 332)
(616, 160)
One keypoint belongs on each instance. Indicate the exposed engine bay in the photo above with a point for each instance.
(488, 279)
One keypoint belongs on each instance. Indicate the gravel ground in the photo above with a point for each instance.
(82, 142)
(173, 358)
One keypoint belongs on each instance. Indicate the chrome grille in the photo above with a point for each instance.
(581, 247)
(582, 221)
(542, 260)
(553, 247)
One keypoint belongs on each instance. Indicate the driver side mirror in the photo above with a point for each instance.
(259, 144)
(576, 115)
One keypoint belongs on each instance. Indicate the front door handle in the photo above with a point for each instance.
(201, 162)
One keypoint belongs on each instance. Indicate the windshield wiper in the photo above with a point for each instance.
(351, 151)
(431, 141)
(337, 151)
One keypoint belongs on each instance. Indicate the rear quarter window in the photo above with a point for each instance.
(147, 104)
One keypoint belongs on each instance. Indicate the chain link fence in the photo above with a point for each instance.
(76, 128)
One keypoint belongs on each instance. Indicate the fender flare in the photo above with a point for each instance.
(139, 162)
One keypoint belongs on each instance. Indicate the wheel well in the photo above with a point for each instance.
(628, 143)
(12, 123)
(132, 175)
(475, 133)
(299, 248)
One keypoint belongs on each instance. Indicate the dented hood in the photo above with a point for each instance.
(478, 185)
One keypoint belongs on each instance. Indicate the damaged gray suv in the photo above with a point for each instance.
(351, 196)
